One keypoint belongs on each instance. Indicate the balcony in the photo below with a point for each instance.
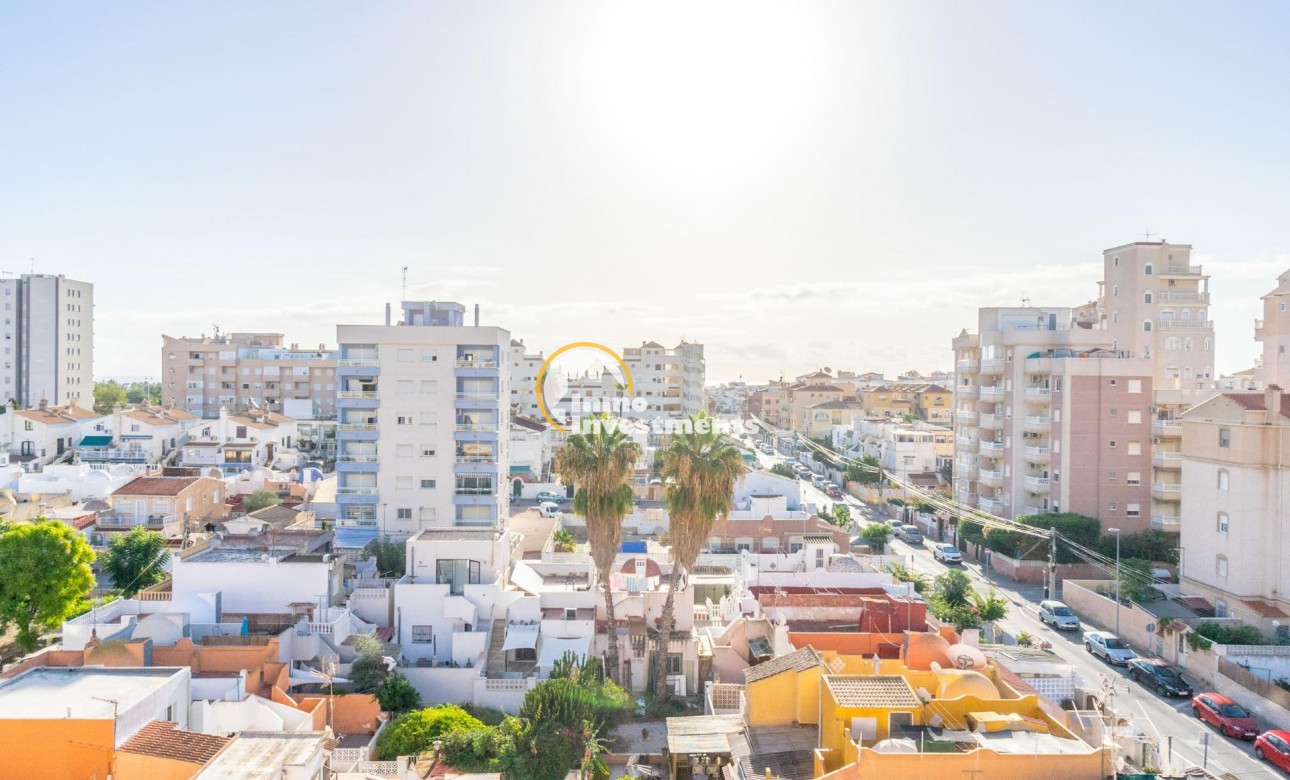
(966, 416)
(1037, 423)
(993, 366)
(1170, 524)
(356, 394)
(1038, 454)
(1037, 509)
(367, 367)
(356, 491)
(1258, 330)
(356, 399)
(993, 448)
(1039, 395)
(989, 393)
(967, 498)
(969, 366)
(965, 443)
(991, 422)
(361, 464)
(968, 471)
(356, 432)
(476, 367)
(1036, 484)
(1166, 460)
(966, 391)
(1171, 428)
(1181, 270)
(990, 478)
(1184, 297)
(1166, 491)
(1185, 324)
(990, 505)
(477, 400)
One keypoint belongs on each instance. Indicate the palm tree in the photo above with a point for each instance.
(700, 469)
(597, 462)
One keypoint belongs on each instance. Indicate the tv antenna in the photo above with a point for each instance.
(405, 283)
(1025, 301)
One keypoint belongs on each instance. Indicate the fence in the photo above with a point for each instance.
(1242, 676)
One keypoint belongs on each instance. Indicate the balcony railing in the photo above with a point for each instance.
(474, 491)
(1185, 324)
(965, 443)
(991, 393)
(357, 459)
(1166, 427)
(1182, 270)
(1166, 491)
(1167, 523)
(965, 416)
(993, 366)
(966, 391)
(476, 363)
(356, 491)
(991, 421)
(968, 366)
(1041, 394)
(1038, 453)
(1035, 509)
(992, 448)
(476, 459)
(1167, 460)
(477, 427)
(1037, 484)
(476, 396)
(989, 505)
(359, 363)
(990, 477)
(367, 395)
(1037, 421)
(1184, 297)
(357, 427)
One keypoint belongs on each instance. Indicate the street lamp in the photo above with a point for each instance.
(1116, 531)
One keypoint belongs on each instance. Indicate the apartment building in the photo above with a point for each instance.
(48, 340)
(925, 400)
(767, 403)
(248, 370)
(1273, 332)
(901, 448)
(424, 418)
(799, 399)
(1155, 304)
(1049, 418)
(1236, 498)
(525, 366)
(670, 379)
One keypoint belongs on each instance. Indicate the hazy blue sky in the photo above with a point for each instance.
(795, 184)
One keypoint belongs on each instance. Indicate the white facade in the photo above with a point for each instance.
(424, 415)
(671, 380)
(1273, 331)
(48, 333)
(45, 433)
(237, 443)
(251, 580)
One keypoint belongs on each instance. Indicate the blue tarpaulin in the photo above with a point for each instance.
(633, 547)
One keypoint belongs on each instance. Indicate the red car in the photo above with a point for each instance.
(1274, 747)
(1231, 718)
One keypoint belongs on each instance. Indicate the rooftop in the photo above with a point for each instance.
(873, 692)
(456, 535)
(260, 755)
(798, 660)
(155, 486)
(165, 740)
(80, 692)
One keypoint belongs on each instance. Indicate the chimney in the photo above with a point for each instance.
(1272, 400)
(477, 315)
(387, 313)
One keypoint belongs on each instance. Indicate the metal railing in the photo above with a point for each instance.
(370, 427)
(477, 427)
(357, 394)
(1184, 297)
(1185, 324)
(359, 363)
(476, 363)
(1182, 270)
(356, 491)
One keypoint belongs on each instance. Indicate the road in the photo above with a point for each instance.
(1159, 716)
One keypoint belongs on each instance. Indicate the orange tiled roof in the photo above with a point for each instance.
(57, 415)
(155, 486)
(163, 739)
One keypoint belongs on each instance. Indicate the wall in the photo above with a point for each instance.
(984, 763)
(784, 698)
(137, 766)
(442, 684)
(1099, 610)
(254, 586)
(1037, 571)
(505, 695)
(72, 747)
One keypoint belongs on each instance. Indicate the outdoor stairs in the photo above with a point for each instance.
(496, 655)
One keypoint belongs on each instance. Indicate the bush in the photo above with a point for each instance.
(1231, 635)
(782, 470)
(415, 732)
(368, 673)
(259, 500)
(396, 694)
(487, 715)
(473, 750)
(876, 534)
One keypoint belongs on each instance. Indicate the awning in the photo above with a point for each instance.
(520, 637)
(95, 441)
(459, 608)
(308, 676)
(554, 648)
(526, 579)
(351, 538)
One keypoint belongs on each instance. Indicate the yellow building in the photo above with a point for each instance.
(929, 402)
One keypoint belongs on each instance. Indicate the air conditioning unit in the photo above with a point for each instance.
(1155, 440)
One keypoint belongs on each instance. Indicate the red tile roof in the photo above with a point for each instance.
(163, 739)
(1258, 402)
(1263, 609)
(155, 486)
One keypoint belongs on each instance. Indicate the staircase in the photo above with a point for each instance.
(496, 655)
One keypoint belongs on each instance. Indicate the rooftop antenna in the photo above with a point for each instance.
(405, 283)
(1025, 301)
(1147, 234)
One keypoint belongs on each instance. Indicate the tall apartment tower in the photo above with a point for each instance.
(1049, 418)
(1155, 304)
(48, 340)
(424, 417)
(671, 380)
(1273, 331)
(248, 370)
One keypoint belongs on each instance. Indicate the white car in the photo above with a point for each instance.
(1108, 647)
(947, 553)
(1058, 615)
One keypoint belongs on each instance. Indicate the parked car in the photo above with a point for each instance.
(547, 495)
(833, 491)
(1058, 615)
(1108, 647)
(896, 525)
(1230, 718)
(549, 509)
(947, 553)
(1154, 673)
(1274, 748)
(910, 534)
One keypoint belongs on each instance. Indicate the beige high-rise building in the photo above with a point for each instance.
(1273, 331)
(248, 370)
(1155, 304)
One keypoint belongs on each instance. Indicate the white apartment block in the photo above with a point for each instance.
(1049, 419)
(1273, 331)
(247, 370)
(48, 340)
(524, 372)
(424, 419)
(1236, 498)
(671, 380)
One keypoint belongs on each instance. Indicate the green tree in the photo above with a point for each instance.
(903, 573)
(866, 471)
(700, 468)
(841, 515)
(136, 560)
(391, 556)
(108, 395)
(597, 462)
(782, 470)
(368, 673)
(1156, 546)
(397, 695)
(877, 535)
(143, 393)
(414, 733)
(44, 577)
(564, 540)
(1136, 582)
(259, 500)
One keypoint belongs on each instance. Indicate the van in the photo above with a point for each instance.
(550, 509)
(910, 534)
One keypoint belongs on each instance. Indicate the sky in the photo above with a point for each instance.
(796, 185)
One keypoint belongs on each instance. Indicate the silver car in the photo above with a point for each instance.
(1058, 615)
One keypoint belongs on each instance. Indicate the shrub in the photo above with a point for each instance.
(396, 694)
(415, 732)
(1231, 635)
(471, 751)
(368, 673)
(877, 535)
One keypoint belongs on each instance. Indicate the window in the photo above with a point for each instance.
(1133, 510)
(1111, 476)
(427, 484)
(1112, 443)
(1135, 416)
(404, 355)
(1171, 342)
(1222, 522)
(1115, 291)
(403, 420)
(422, 635)
(1221, 566)
(429, 387)
(1146, 325)
(1135, 385)
(1111, 508)
(742, 544)
(1114, 382)
(404, 386)
(1224, 479)
(403, 513)
(428, 356)
(1115, 261)
(1133, 478)
(1134, 448)
(1146, 297)
(404, 451)
(427, 452)
(1225, 437)
(1146, 269)
(1114, 412)
(674, 663)
(428, 418)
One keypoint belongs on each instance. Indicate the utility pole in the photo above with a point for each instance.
(1050, 587)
